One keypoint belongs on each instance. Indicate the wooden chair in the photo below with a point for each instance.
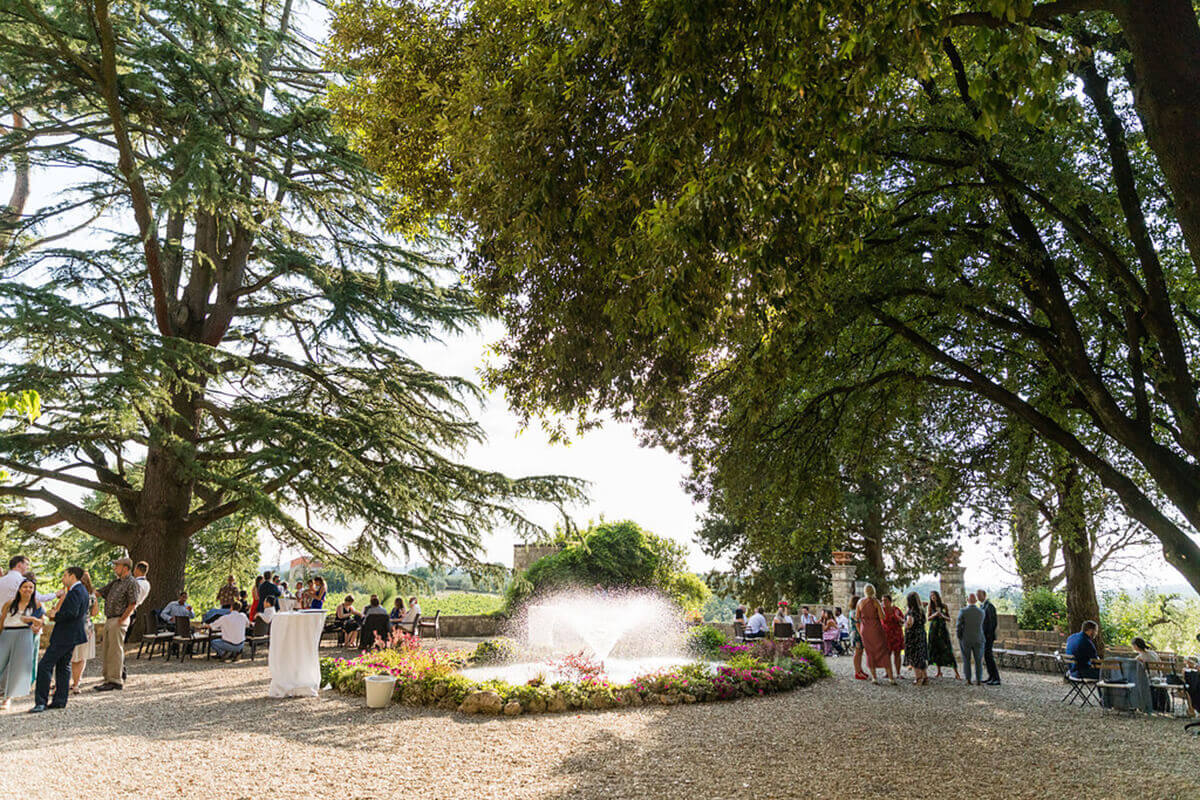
(411, 627)
(372, 625)
(739, 631)
(185, 636)
(152, 636)
(260, 636)
(434, 625)
(783, 631)
(1083, 689)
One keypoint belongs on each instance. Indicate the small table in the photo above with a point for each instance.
(295, 666)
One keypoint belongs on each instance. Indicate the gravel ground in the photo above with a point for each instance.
(181, 730)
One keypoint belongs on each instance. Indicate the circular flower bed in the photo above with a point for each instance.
(426, 677)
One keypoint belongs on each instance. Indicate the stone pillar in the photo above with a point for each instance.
(841, 579)
(953, 589)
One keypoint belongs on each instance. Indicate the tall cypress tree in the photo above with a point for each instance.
(209, 310)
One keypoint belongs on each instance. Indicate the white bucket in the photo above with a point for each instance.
(379, 690)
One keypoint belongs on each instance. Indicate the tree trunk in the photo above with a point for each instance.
(166, 553)
(1164, 42)
(1070, 526)
(1032, 568)
(873, 534)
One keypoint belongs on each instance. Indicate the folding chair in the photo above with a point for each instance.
(184, 635)
(814, 635)
(152, 636)
(259, 637)
(1117, 686)
(1083, 689)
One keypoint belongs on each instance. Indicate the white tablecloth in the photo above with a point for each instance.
(287, 604)
(292, 657)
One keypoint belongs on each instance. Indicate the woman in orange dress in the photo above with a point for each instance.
(870, 630)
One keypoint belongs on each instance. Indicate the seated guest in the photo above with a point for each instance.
(397, 610)
(232, 629)
(268, 612)
(414, 611)
(212, 614)
(782, 615)
(807, 617)
(739, 614)
(1144, 651)
(177, 608)
(830, 633)
(1082, 648)
(348, 619)
(373, 607)
(756, 626)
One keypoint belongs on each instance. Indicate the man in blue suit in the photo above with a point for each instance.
(70, 621)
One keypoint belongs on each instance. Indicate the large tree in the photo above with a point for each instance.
(998, 200)
(205, 301)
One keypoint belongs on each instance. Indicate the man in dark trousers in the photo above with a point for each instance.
(989, 637)
(70, 620)
(268, 588)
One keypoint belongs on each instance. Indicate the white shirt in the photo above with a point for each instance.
(9, 585)
(267, 614)
(843, 623)
(756, 624)
(143, 591)
(808, 619)
(413, 611)
(231, 626)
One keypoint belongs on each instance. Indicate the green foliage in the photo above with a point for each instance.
(211, 299)
(704, 641)
(495, 651)
(805, 243)
(815, 658)
(1166, 621)
(719, 608)
(614, 555)
(1041, 610)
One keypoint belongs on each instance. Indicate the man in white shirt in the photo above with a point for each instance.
(17, 567)
(756, 626)
(807, 617)
(143, 586)
(232, 628)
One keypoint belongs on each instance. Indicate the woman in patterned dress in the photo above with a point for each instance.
(893, 627)
(941, 651)
(914, 640)
(856, 642)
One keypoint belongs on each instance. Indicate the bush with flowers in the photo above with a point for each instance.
(431, 677)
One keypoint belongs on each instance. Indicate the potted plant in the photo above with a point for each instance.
(953, 555)
(842, 557)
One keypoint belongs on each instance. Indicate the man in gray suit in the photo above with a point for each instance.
(970, 639)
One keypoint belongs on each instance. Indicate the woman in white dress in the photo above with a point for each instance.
(86, 650)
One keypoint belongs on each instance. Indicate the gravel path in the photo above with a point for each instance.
(839, 739)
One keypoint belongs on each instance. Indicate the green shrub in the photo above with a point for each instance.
(614, 555)
(1041, 610)
(704, 641)
(495, 651)
(802, 651)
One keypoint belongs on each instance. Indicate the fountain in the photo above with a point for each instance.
(632, 633)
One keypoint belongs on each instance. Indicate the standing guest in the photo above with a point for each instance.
(17, 567)
(228, 594)
(1144, 651)
(232, 629)
(856, 640)
(18, 618)
(893, 627)
(970, 638)
(120, 600)
(829, 632)
(397, 612)
(941, 651)
(69, 631)
(303, 594)
(914, 640)
(1081, 647)
(807, 617)
(870, 623)
(140, 569)
(756, 626)
(318, 593)
(283, 587)
(85, 650)
(268, 588)
(348, 620)
(989, 637)
(177, 608)
(258, 581)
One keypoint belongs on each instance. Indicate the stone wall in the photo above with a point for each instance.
(525, 554)
(473, 625)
